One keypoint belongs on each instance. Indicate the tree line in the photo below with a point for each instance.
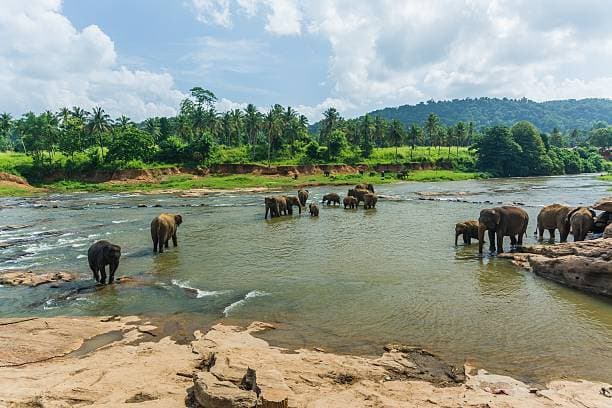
(198, 133)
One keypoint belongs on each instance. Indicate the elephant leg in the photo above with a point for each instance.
(520, 237)
(166, 244)
(500, 242)
(174, 240)
(103, 274)
(266, 216)
(112, 269)
(96, 274)
(541, 233)
(492, 241)
(563, 233)
(551, 231)
(155, 244)
(161, 246)
(299, 209)
(512, 240)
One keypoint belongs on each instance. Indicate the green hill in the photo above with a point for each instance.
(563, 114)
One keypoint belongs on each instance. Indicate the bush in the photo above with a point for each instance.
(130, 143)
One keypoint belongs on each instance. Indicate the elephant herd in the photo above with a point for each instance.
(280, 205)
(103, 253)
(510, 221)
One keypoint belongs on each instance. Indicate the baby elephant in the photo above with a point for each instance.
(100, 254)
(331, 198)
(369, 200)
(350, 202)
(314, 210)
(163, 227)
(468, 229)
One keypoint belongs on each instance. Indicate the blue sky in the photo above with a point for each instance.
(140, 57)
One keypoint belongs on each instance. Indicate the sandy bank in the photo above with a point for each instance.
(93, 361)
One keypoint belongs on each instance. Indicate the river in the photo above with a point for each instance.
(349, 281)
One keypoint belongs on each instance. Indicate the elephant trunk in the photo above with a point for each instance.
(456, 236)
(481, 231)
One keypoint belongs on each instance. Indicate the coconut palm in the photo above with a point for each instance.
(431, 128)
(273, 126)
(99, 124)
(252, 122)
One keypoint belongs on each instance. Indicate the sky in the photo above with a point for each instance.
(141, 57)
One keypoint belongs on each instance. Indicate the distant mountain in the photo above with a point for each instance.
(563, 114)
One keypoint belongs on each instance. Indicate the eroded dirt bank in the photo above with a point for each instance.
(93, 361)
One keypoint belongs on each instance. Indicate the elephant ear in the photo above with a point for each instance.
(178, 219)
(496, 215)
(593, 213)
(569, 215)
(106, 251)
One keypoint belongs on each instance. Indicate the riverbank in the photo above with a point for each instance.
(181, 181)
(95, 361)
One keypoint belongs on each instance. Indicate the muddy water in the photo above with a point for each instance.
(349, 281)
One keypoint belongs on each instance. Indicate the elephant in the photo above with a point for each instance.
(501, 222)
(303, 196)
(358, 193)
(331, 198)
(600, 223)
(581, 221)
(291, 201)
(276, 205)
(163, 227)
(369, 200)
(350, 202)
(468, 229)
(369, 187)
(314, 210)
(553, 217)
(99, 255)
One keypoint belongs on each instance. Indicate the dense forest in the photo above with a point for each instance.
(564, 115)
(75, 139)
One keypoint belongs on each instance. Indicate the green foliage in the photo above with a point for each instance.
(564, 115)
(129, 143)
(336, 144)
(498, 153)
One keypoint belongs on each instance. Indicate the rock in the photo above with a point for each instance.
(211, 392)
(604, 204)
(608, 231)
(29, 278)
(585, 265)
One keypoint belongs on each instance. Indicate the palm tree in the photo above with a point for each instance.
(331, 117)
(151, 126)
(272, 125)
(431, 128)
(124, 121)
(396, 135)
(79, 113)
(415, 136)
(6, 124)
(226, 126)
(459, 134)
(379, 131)
(98, 125)
(64, 113)
(236, 125)
(252, 121)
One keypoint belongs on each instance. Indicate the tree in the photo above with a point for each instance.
(366, 135)
(396, 135)
(431, 129)
(130, 143)
(557, 139)
(98, 126)
(416, 136)
(533, 160)
(460, 131)
(252, 122)
(336, 144)
(203, 97)
(151, 126)
(331, 117)
(497, 152)
(6, 126)
(72, 138)
(379, 131)
(272, 125)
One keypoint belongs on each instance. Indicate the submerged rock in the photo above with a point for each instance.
(29, 278)
(584, 265)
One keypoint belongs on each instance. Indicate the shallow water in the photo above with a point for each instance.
(349, 281)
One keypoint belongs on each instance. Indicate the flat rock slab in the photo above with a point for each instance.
(29, 278)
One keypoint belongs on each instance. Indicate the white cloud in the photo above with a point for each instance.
(391, 52)
(46, 63)
(213, 11)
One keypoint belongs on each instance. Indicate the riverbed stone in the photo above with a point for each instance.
(29, 278)
(584, 265)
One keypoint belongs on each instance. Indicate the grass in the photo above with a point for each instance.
(14, 163)
(245, 181)
(606, 177)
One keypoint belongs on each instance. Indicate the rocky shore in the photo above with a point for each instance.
(116, 361)
(584, 265)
